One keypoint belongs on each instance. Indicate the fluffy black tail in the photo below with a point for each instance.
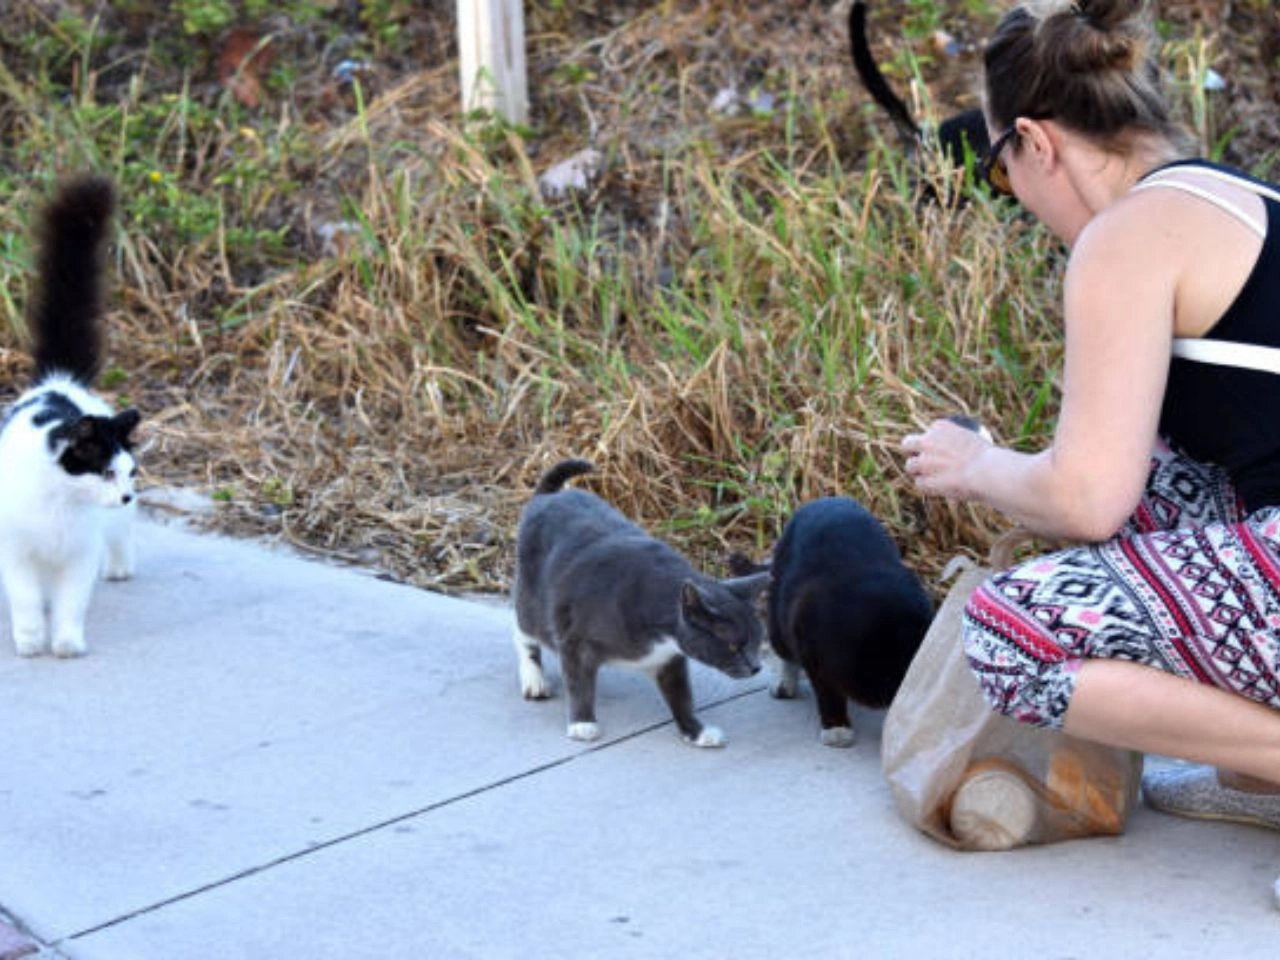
(557, 476)
(65, 315)
(872, 78)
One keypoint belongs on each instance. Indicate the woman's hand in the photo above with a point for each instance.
(940, 460)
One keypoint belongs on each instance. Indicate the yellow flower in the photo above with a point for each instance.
(155, 176)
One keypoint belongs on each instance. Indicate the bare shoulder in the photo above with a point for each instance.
(1137, 244)
(1190, 207)
(1197, 246)
(1139, 223)
(1145, 245)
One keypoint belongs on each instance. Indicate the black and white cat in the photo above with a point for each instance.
(66, 467)
(598, 589)
(844, 607)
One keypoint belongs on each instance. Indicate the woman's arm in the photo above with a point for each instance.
(1119, 300)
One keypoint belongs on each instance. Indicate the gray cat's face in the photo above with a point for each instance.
(719, 623)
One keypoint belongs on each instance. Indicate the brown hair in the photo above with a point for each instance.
(1088, 64)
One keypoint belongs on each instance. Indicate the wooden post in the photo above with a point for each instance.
(491, 57)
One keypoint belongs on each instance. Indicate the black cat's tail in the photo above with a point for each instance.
(561, 473)
(65, 314)
(872, 78)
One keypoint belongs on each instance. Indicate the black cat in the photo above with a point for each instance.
(845, 608)
(960, 136)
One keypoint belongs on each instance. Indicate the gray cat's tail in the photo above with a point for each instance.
(67, 304)
(562, 472)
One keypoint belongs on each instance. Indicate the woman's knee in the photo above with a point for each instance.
(1018, 666)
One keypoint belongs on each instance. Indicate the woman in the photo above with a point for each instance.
(1162, 633)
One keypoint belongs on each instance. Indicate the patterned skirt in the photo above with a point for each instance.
(1190, 586)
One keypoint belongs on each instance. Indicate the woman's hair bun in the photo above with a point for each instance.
(1093, 36)
(1089, 64)
(1106, 14)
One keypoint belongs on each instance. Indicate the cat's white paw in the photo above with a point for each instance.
(584, 731)
(118, 568)
(29, 643)
(70, 644)
(533, 683)
(708, 737)
(838, 737)
(30, 638)
(120, 557)
(785, 681)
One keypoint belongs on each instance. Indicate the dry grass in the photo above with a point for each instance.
(742, 313)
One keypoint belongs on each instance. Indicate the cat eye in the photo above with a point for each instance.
(726, 632)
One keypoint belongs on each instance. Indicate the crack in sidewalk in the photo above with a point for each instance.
(390, 822)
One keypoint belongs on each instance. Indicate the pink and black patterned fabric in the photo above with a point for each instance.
(1190, 586)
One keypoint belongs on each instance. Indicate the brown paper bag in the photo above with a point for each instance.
(939, 730)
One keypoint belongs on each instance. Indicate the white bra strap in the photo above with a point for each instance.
(1215, 174)
(1217, 201)
(1225, 353)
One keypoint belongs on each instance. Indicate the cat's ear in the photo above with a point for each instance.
(748, 588)
(125, 421)
(692, 603)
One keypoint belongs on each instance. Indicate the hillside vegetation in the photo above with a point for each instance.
(351, 317)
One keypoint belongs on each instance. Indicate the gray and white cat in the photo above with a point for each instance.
(66, 467)
(598, 589)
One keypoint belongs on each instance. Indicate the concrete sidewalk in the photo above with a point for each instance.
(269, 758)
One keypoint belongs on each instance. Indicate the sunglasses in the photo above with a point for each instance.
(993, 168)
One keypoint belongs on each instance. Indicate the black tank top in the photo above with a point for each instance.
(1227, 415)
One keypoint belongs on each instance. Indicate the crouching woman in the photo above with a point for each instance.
(1161, 633)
